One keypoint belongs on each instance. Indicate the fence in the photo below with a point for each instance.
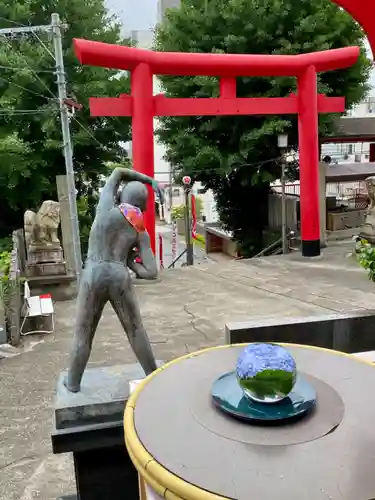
(338, 189)
(275, 211)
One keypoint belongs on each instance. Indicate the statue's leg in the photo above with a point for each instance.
(125, 304)
(90, 302)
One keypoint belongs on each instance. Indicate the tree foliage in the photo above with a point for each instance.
(30, 131)
(237, 157)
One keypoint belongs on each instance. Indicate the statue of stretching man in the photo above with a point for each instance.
(117, 230)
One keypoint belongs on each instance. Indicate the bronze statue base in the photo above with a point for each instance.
(89, 425)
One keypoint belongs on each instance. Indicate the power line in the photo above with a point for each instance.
(5, 111)
(15, 23)
(40, 95)
(33, 32)
(28, 65)
(88, 131)
(44, 45)
(24, 88)
(17, 68)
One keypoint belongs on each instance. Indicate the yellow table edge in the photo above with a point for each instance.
(163, 482)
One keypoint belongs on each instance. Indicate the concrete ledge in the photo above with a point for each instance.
(343, 234)
(352, 333)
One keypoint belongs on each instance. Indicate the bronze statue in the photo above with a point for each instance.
(117, 230)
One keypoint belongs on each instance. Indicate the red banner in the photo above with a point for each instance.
(161, 257)
(174, 240)
(194, 218)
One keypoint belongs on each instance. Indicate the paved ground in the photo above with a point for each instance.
(184, 312)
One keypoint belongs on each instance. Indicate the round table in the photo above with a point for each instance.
(185, 448)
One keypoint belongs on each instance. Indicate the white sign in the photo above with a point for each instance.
(174, 240)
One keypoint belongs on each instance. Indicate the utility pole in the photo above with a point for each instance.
(67, 143)
(55, 28)
(282, 141)
(283, 208)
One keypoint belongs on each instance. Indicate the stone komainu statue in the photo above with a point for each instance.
(41, 227)
(367, 230)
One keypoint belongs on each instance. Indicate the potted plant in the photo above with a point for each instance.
(178, 216)
(365, 253)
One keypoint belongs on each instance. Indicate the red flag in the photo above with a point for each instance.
(194, 218)
(161, 259)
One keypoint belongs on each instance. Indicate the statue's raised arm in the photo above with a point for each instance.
(119, 175)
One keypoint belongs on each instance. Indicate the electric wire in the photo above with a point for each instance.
(24, 88)
(20, 25)
(26, 62)
(88, 131)
(16, 68)
(6, 112)
(49, 90)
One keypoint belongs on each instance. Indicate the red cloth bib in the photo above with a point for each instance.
(134, 215)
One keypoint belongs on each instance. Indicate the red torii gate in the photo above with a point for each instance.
(142, 106)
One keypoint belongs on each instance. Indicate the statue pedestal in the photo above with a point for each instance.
(89, 424)
(45, 254)
(368, 235)
(45, 261)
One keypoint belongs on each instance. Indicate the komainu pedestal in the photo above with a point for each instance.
(44, 253)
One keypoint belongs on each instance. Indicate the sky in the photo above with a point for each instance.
(134, 14)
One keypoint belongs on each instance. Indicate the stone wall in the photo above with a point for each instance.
(353, 332)
(275, 211)
(14, 299)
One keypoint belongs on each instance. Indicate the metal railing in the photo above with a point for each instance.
(339, 189)
(276, 247)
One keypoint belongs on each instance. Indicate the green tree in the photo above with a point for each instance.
(237, 157)
(30, 132)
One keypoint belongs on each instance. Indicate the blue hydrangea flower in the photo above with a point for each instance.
(256, 358)
(266, 372)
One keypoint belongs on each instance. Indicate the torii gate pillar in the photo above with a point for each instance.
(143, 135)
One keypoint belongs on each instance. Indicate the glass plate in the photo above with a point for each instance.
(230, 398)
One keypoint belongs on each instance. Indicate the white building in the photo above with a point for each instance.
(163, 5)
(355, 152)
